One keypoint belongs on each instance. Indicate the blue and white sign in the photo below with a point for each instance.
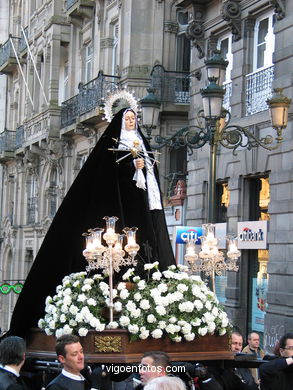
(185, 232)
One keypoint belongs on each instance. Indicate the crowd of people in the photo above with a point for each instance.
(154, 371)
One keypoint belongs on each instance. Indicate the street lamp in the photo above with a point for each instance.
(216, 67)
(212, 130)
(150, 106)
(279, 105)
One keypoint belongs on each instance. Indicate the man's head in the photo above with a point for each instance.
(286, 345)
(70, 353)
(236, 342)
(12, 351)
(253, 340)
(165, 383)
(153, 364)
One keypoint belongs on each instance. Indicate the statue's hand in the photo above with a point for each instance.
(139, 163)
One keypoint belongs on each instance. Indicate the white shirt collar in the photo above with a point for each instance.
(10, 369)
(72, 376)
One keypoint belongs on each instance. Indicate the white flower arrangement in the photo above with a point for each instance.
(171, 303)
(77, 306)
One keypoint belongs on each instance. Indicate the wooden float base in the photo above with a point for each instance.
(113, 346)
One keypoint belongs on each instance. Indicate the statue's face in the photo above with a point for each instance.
(130, 120)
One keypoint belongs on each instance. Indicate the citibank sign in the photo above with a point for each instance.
(252, 235)
(187, 232)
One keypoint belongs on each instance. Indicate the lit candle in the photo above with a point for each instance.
(233, 247)
(131, 240)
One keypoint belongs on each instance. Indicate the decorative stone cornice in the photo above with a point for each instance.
(107, 43)
(280, 8)
(195, 30)
(212, 45)
(231, 12)
(170, 27)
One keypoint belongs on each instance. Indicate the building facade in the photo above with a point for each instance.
(60, 60)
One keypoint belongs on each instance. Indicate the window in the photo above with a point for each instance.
(115, 48)
(63, 75)
(182, 44)
(88, 63)
(31, 199)
(264, 42)
(223, 200)
(225, 46)
(53, 193)
(177, 168)
(259, 82)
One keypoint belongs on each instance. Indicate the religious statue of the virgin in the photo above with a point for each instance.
(119, 178)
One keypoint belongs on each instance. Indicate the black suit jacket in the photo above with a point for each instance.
(9, 381)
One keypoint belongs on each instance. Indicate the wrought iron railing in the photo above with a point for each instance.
(6, 50)
(227, 96)
(7, 140)
(171, 87)
(31, 209)
(90, 96)
(22, 43)
(258, 90)
(19, 136)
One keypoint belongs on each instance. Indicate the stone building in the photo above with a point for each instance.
(59, 60)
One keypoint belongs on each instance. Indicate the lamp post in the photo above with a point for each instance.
(211, 129)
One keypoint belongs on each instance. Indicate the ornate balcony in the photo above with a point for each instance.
(170, 87)
(80, 9)
(8, 62)
(258, 90)
(7, 145)
(90, 96)
(227, 96)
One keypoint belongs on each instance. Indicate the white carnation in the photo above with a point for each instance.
(91, 302)
(82, 332)
(198, 304)
(137, 296)
(113, 325)
(124, 294)
(141, 285)
(117, 306)
(157, 275)
(133, 329)
(151, 319)
(121, 286)
(202, 331)
(73, 309)
(145, 304)
(157, 333)
(182, 287)
(124, 320)
(189, 336)
(160, 310)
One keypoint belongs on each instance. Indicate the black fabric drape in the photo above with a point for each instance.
(102, 188)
